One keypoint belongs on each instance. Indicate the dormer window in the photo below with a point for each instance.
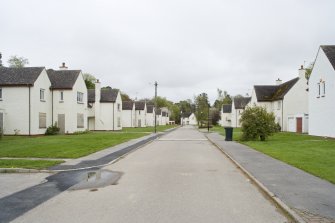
(42, 94)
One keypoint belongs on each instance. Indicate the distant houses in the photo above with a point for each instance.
(237, 108)
(33, 98)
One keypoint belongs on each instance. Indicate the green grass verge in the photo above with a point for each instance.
(313, 154)
(160, 128)
(62, 146)
(28, 164)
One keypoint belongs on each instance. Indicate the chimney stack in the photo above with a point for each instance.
(97, 91)
(302, 72)
(63, 67)
(278, 82)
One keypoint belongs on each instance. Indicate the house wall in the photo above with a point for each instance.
(128, 118)
(70, 107)
(295, 104)
(15, 107)
(118, 113)
(150, 119)
(192, 119)
(225, 119)
(141, 115)
(322, 109)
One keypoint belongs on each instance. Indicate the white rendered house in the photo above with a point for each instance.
(69, 99)
(322, 93)
(288, 101)
(226, 115)
(237, 108)
(150, 118)
(158, 114)
(105, 109)
(128, 114)
(192, 119)
(140, 114)
(25, 100)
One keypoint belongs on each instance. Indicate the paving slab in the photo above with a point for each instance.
(299, 190)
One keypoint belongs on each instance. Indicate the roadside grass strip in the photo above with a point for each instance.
(150, 129)
(62, 146)
(313, 154)
(28, 164)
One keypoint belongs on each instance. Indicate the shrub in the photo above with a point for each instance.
(81, 132)
(52, 130)
(257, 123)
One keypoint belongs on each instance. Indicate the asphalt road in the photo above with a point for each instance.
(180, 177)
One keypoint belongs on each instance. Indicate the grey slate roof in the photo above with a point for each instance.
(330, 53)
(274, 92)
(25, 76)
(106, 95)
(139, 105)
(241, 102)
(226, 108)
(63, 79)
(150, 108)
(127, 105)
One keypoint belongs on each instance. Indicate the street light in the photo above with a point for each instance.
(156, 106)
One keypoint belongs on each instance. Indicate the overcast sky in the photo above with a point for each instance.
(187, 46)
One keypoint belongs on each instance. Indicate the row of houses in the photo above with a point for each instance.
(302, 104)
(33, 98)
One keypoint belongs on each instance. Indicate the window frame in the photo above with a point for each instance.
(42, 94)
(61, 95)
(0, 94)
(80, 97)
(40, 124)
(323, 89)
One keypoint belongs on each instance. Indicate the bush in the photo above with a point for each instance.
(52, 130)
(81, 132)
(257, 123)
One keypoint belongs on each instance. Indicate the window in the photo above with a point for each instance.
(80, 97)
(118, 122)
(139, 112)
(80, 120)
(42, 94)
(0, 93)
(118, 107)
(61, 96)
(42, 120)
(278, 105)
(323, 88)
(319, 90)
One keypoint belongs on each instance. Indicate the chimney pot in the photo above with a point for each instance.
(278, 81)
(63, 67)
(302, 67)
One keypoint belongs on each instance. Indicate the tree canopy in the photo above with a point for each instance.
(89, 80)
(17, 62)
(202, 106)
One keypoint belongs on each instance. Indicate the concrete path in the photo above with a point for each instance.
(310, 196)
(180, 177)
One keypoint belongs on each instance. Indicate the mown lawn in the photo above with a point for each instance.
(28, 164)
(62, 146)
(160, 128)
(313, 154)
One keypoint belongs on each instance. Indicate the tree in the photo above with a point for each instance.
(125, 97)
(222, 98)
(257, 123)
(202, 107)
(215, 115)
(89, 80)
(309, 70)
(17, 62)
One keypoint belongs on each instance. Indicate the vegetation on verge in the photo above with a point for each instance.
(28, 164)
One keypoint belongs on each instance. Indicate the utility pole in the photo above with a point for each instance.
(156, 106)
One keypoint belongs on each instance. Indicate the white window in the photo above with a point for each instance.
(318, 89)
(80, 97)
(42, 120)
(323, 87)
(42, 94)
(80, 120)
(118, 107)
(0, 93)
(61, 96)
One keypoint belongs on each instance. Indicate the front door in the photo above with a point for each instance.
(61, 123)
(299, 125)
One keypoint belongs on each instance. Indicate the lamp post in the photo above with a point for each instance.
(208, 118)
(156, 106)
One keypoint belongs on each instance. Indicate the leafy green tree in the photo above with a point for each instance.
(202, 107)
(89, 80)
(309, 70)
(125, 97)
(222, 98)
(215, 115)
(257, 123)
(17, 62)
